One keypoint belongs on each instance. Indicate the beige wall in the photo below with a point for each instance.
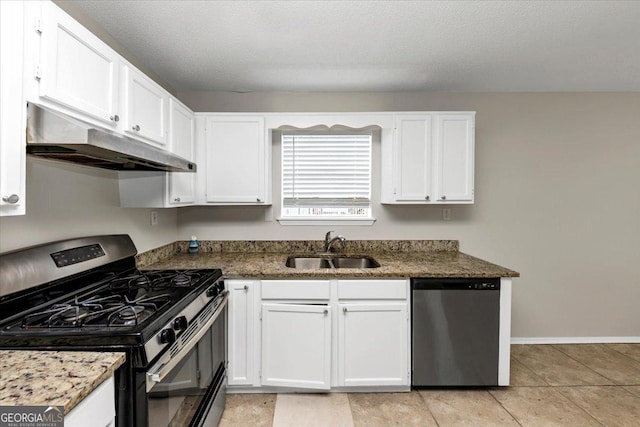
(65, 201)
(557, 198)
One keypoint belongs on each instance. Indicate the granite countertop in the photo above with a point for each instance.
(404, 262)
(53, 378)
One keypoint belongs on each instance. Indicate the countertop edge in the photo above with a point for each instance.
(27, 373)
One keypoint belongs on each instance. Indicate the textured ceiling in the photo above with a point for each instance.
(463, 46)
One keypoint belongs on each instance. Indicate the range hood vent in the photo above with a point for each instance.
(60, 137)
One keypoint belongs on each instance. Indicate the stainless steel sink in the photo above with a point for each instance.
(362, 262)
(313, 263)
(307, 263)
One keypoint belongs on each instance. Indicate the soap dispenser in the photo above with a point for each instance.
(193, 245)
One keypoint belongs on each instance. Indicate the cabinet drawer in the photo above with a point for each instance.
(296, 289)
(372, 289)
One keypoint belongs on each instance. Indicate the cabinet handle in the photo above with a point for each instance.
(114, 118)
(177, 199)
(136, 128)
(427, 198)
(344, 309)
(246, 288)
(12, 199)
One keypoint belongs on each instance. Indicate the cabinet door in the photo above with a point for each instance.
(296, 346)
(12, 110)
(181, 141)
(77, 69)
(455, 151)
(145, 107)
(413, 158)
(241, 332)
(373, 344)
(235, 158)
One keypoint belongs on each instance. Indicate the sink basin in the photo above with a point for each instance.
(312, 263)
(307, 263)
(361, 262)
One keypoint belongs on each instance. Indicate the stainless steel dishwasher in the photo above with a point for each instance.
(455, 332)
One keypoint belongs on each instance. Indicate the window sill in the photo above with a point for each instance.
(326, 221)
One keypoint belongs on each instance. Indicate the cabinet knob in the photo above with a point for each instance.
(246, 288)
(177, 199)
(427, 198)
(258, 199)
(344, 309)
(136, 128)
(444, 197)
(114, 118)
(12, 199)
(326, 311)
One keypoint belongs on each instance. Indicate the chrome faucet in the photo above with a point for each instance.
(328, 241)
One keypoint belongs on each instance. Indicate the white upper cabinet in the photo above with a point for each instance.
(165, 189)
(454, 165)
(12, 109)
(77, 69)
(236, 160)
(430, 160)
(145, 107)
(182, 142)
(413, 158)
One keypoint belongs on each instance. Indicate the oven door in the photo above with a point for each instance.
(186, 387)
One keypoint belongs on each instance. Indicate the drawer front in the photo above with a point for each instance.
(372, 289)
(296, 289)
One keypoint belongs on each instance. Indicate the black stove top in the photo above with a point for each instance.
(125, 302)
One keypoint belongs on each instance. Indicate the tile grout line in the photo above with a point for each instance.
(530, 370)
(625, 355)
(506, 410)
(353, 422)
(424, 400)
(584, 409)
(585, 365)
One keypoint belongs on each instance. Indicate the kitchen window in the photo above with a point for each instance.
(326, 176)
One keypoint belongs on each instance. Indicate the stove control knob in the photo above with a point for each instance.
(167, 336)
(180, 323)
(212, 292)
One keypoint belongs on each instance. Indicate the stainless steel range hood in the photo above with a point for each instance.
(57, 136)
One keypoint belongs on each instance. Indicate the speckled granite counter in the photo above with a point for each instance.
(397, 259)
(53, 377)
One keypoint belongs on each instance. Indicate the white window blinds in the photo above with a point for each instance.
(326, 175)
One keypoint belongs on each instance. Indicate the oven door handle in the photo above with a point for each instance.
(160, 370)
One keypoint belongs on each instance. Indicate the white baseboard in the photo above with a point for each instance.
(573, 340)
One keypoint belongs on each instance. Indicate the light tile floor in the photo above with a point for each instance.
(551, 385)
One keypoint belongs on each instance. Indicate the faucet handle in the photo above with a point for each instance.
(328, 235)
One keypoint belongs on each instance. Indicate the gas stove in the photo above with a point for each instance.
(87, 294)
(125, 301)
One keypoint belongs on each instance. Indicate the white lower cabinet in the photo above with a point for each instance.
(296, 345)
(319, 334)
(240, 340)
(373, 344)
(97, 409)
